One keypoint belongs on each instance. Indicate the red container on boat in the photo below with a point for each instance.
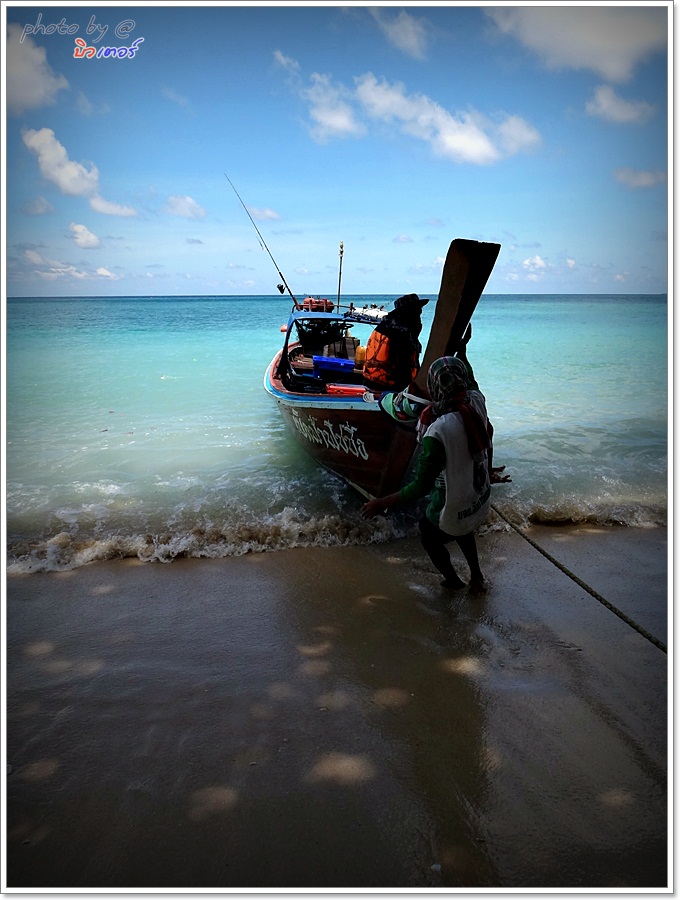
(352, 390)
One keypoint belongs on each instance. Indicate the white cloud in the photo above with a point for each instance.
(609, 40)
(35, 258)
(84, 105)
(53, 270)
(436, 266)
(291, 65)
(87, 108)
(402, 239)
(329, 105)
(330, 110)
(535, 263)
(467, 137)
(108, 208)
(403, 31)
(263, 215)
(635, 178)
(50, 269)
(31, 83)
(571, 263)
(175, 97)
(185, 207)
(606, 104)
(515, 135)
(62, 271)
(104, 273)
(464, 137)
(83, 237)
(38, 207)
(72, 178)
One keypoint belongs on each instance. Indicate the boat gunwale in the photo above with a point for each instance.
(293, 398)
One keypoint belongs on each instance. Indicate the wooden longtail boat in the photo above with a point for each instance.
(317, 379)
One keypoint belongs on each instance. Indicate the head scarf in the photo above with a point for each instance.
(406, 315)
(447, 382)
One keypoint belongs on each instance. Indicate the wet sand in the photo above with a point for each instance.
(330, 718)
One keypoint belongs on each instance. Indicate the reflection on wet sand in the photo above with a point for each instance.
(329, 719)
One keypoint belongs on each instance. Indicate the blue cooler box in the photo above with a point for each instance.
(331, 364)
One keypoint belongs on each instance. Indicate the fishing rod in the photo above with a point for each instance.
(263, 244)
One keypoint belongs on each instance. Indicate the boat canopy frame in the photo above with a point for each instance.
(321, 331)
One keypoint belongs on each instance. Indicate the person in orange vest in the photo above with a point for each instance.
(393, 349)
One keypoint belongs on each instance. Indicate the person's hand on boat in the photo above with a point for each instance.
(496, 477)
(379, 506)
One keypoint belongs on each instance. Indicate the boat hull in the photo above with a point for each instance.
(349, 436)
(341, 426)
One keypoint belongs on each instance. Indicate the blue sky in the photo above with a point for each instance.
(391, 128)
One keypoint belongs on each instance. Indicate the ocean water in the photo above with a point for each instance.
(139, 426)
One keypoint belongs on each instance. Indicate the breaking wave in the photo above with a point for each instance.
(69, 549)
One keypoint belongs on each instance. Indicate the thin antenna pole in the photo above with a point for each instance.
(262, 242)
(342, 250)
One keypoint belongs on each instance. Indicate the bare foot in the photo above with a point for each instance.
(453, 584)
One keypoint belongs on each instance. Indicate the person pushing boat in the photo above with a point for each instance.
(453, 468)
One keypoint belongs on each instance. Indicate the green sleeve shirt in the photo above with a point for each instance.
(431, 464)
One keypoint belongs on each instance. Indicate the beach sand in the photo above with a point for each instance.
(331, 718)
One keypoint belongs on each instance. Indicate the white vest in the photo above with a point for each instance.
(467, 504)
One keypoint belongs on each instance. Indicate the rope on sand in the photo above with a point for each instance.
(610, 606)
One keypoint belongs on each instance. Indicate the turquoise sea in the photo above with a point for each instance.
(139, 426)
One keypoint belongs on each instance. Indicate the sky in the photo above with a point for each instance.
(391, 128)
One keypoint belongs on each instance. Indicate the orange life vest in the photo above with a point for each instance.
(382, 371)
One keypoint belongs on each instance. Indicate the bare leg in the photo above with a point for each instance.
(489, 452)
(434, 542)
(468, 547)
